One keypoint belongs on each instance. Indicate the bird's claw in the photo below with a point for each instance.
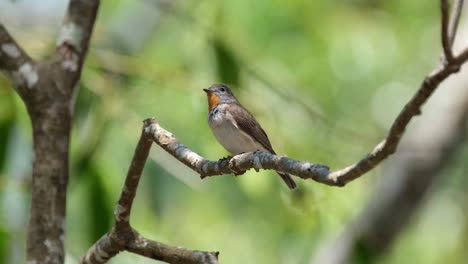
(232, 165)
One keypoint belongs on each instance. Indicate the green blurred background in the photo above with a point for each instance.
(324, 78)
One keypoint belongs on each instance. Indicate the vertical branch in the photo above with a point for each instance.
(51, 137)
(123, 237)
(453, 25)
(124, 205)
(74, 37)
(445, 35)
(50, 103)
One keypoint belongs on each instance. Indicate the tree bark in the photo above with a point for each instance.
(51, 136)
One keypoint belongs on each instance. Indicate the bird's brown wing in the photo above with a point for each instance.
(247, 123)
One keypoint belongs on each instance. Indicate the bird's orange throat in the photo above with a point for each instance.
(213, 100)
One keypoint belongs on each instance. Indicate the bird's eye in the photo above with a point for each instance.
(222, 89)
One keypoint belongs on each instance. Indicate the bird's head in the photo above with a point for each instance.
(219, 94)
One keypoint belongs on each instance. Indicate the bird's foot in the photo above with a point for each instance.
(232, 166)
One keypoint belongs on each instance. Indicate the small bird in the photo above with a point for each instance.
(235, 128)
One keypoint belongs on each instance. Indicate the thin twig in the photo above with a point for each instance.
(124, 205)
(406, 181)
(388, 146)
(454, 22)
(445, 34)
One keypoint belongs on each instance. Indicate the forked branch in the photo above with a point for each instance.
(123, 237)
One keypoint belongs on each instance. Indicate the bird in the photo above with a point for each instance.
(234, 126)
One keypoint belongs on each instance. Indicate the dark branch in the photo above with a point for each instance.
(445, 35)
(454, 22)
(124, 237)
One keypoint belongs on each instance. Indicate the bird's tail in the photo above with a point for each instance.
(288, 180)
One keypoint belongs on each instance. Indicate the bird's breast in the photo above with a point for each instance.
(228, 133)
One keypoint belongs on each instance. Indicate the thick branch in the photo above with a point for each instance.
(115, 241)
(174, 255)
(256, 160)
(124, 237)
(50, 86)
(51, 134)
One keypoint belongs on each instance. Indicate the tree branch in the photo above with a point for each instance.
(170, 254)
(75, 33)
(406, 181)
(388, 146)
(124, 237)
(320, 173)
(15, 63)
(306, 170)
(256, 160)
(445, 32)
(453, 25)
(49, 98)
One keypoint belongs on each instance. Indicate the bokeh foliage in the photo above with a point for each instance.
(324, 78)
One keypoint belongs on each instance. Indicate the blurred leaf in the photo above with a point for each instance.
(86, 98)
(156, 179)
(5, 129)
(363, 253)
(3, 245)
(228, 66)
(7, 120)
(101, 209)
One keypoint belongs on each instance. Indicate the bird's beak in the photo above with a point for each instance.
(207, 91)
